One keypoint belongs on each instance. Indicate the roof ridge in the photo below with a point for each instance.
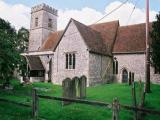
(88, 27)
(107, 22)
(137, 24)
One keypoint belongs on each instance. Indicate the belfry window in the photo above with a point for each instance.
(50, 23)
(36, 21)
(70, 60)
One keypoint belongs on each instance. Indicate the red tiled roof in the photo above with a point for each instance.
(98, 37)
(92, 38)
(131, 39)
(105, 38)
(51, 42)
(108, 31)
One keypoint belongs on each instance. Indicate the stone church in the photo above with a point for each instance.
(103, 52)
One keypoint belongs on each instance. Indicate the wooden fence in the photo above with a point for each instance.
(115, 105)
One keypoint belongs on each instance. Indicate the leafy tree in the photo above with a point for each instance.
(155, 45)
(9, 55)
(23, 38)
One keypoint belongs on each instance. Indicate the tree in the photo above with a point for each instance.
(9, 55)
(155, 45)
(23, 38)
(22, 42)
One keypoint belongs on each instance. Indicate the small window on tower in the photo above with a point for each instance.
(50, 23)
(36, 22)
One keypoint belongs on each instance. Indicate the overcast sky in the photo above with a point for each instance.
(17, 12)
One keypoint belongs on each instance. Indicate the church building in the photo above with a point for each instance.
(103, 52)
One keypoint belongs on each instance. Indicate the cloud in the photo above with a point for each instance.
(19, 14)
(124, 12)
(89, 16)
(85, 15)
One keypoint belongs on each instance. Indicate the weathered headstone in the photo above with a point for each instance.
(76, 87)
(67, 89)
(73, 88)
(83, 86)
(132, 77)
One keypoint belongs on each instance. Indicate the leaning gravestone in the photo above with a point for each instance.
(76, 87)
(132, 77)
(67, 90)
(73, 88)
(83, 86)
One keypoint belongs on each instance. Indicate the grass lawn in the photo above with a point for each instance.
(53, 110)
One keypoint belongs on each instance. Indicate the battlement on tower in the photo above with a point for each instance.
(44, 7)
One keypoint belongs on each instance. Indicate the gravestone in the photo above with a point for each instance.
(76, 87)
(83, 86)
(132, 77)
(67, 89)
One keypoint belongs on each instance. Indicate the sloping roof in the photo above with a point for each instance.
(105, 38)
(52, 40)
(131, 39)
(108, 31)
(99, 38)
(92, 38)
(35, 63)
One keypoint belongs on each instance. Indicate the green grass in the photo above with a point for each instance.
(53, 110)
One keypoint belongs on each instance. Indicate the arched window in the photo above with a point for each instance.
(124, 76)
(115, 66)
(66, 61)
(70, 60)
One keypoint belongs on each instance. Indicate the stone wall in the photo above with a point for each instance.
(71, 42)
(35, 38)
(100, 68)
(134, 63)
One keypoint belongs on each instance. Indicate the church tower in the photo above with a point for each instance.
(43, 22)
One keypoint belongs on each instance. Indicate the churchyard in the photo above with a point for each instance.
(53, 110)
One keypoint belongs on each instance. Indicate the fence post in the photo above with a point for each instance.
(115, 109)
(134, 100)
(34, 103)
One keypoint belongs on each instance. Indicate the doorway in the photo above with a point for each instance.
(124, 76)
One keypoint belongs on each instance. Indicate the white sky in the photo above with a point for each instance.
(19, 15)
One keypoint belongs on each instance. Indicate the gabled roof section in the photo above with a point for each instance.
(92, 38)
(34, 63)
(54, 39)
(108, 31)
(131, 39)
